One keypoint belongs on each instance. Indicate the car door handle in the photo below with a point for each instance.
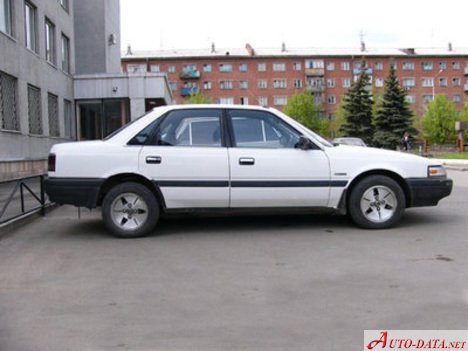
(153, 159)
(246, 161)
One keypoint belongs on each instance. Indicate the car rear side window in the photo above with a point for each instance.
(193, 127)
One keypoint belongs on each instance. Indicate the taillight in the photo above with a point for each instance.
(51, 163)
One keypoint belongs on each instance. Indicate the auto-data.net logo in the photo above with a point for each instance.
(416, 340)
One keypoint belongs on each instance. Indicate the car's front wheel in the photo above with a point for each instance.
(130, 210)
(376, 202)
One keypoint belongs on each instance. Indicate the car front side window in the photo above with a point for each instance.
(257, 129)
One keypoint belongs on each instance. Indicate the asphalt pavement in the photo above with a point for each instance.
(239, 283)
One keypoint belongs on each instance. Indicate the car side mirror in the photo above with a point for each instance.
(304, 143)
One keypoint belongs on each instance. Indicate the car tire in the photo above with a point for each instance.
(376, 202)
(130, 210)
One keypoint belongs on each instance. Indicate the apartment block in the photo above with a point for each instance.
(271, 76)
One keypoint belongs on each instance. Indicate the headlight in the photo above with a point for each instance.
(436, 171)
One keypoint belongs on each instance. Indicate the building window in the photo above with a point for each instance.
(50, 42)
(311, 64)
(426, 66)
(379, 82)
(243, 67)
(67, 119)
(408, 66)
(207, 67)
(65, 54)
(225, 67)
(263, 100)
(297, 66)
(207, 85)
(427, 82)
(411, 99)
(173, 85)
(262, 83)
(244, 100)
(8, 102)
(171, 69)
(456, 98)
(427, 98)
(30, 26)
(378, 66)
(330, 66)
(345, 66)
(408, 82)
(298, 83)
(226, 100)
(279, 67)
(155, 68)
(279, 83)
(5, 17)
(331, 99)
(346, 82)
(261, 67)
(443, 82)
(52, 109)
(455, 65)
(280, 100)
(34, 110)
(456, 82)
(136, 68)
(443, 66)
(226, 84)
(331, 82)
(243, 84)
(64, 4)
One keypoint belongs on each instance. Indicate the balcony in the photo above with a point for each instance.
(314, 72)
(189, 74)
(316, 88)
(466, 87)
(188, 90)
(466, 71)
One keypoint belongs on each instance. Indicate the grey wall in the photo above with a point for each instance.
(31, 68)
(95, 21)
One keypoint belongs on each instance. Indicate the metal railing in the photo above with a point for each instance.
(22, 196)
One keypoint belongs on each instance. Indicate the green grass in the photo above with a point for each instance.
(454, 156)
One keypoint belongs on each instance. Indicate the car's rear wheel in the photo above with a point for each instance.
(376, 202)
(130, 210)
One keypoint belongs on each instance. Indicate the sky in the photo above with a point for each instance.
(183, 24)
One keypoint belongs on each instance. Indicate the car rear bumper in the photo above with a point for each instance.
(428, 191)
(82, 192)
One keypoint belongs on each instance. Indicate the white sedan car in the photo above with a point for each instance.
(235, 158)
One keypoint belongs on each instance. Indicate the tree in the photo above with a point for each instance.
(394, 116)
(358, 109)
(337, 121)
(197, 97)
(302, 108)
(438, 123)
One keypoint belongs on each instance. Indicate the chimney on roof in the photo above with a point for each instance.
(410, 51)
(363, 46)
(250, 49)
(283, 47)
(450, 48)
(129, 50)
(213, 48)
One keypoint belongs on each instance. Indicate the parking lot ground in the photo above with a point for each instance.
(239, 283)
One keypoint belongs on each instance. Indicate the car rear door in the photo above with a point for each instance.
(268, 170)
(188, 160)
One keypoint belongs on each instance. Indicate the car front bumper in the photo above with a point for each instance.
(428, 191)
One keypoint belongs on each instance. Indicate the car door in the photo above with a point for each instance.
(267, 168)
(187, 159)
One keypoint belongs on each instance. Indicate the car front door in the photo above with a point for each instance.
(268, 169)
(187, 159)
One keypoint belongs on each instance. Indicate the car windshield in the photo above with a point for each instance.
(117, 131)
(316, 137)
